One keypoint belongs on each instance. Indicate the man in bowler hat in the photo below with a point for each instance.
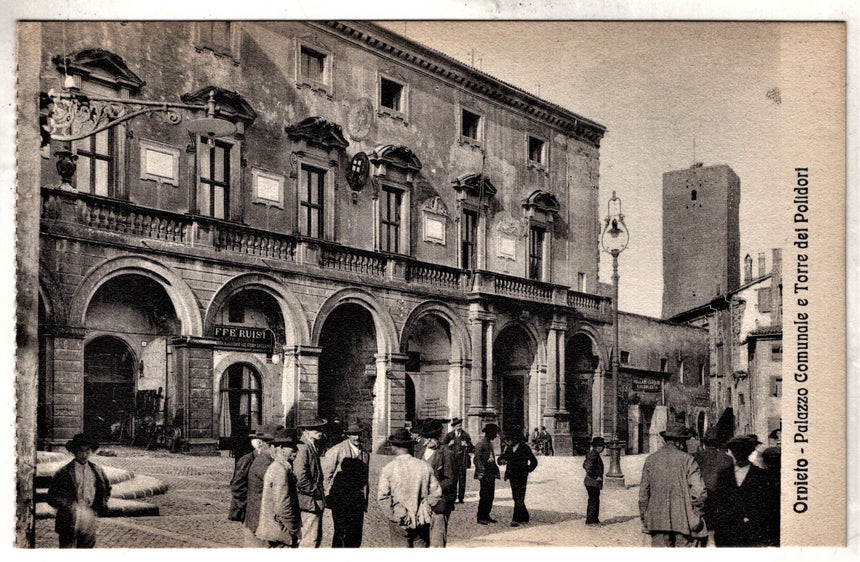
(593, 466)
(520, 462)
(79, 491)
(486, 472)
(345, 472)
(309, 478)
(460, 444)
(441, 460)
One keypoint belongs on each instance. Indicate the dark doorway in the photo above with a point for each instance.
(241, 403)
(108, 389)
(512, 361)
(646, 413)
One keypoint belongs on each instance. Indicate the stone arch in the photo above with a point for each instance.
(460, 339)
(536, 343)
(56, 307)
(267, 383)
(184, 301)
(595, 337)
(386, 332)
(291, 309)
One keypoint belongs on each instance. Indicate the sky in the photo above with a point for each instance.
(669, 93)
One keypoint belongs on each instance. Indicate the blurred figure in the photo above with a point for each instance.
(520, 462)
(346, 471)
(593, 466)
(407, 493)
(239, 481)
(309, 482)
(486, 472)
(79, 491)
(756, 455)
(441, 460)
(546, 442)
(672, 494)
(460, 444)
(773, 461)
(256, 475)
(280, 522)
(711, 460)
(743, 503)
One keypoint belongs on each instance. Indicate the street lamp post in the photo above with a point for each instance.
(614, 240)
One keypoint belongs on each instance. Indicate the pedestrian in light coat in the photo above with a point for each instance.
(346, 469)
(460, 444)
(310, 483)
(239, 481)
(79, 491)
(256, 475)
(407, 493)
(486, 473)
(593, 465)
(280, 523)
(520, 462)
(441, 460)
(672, 493)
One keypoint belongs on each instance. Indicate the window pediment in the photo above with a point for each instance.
(101, 66)
(470, 184)
(228, 104)
(396, 156)
(542, 201)
(316, 130)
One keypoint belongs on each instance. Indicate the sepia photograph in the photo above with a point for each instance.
(290, 283)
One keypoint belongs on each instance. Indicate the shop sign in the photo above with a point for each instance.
(246, 335)
(645, 385)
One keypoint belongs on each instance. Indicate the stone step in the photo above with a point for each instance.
(116, 508)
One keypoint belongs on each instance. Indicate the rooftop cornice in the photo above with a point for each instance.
(439, 64)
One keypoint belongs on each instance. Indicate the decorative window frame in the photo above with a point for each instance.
(299, 160)
(539, 210)
(543, 164)
(462, 139)
(434, 211)
(326, 86)
(147, 146)
(393, 75)
(260, 173)
(394, 167)
(233, 52)
(234, 200)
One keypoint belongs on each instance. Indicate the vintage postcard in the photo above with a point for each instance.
(341, 283)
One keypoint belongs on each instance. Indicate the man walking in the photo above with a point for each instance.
(486, 473)
(460, 444)
(407, 493)
(280, 521)
(441, 460)
(79, 491)
(672, 494)
(520, 462)
(346, 470)
(593, 466)
(711, 460)
(239, 481)
(309, 482)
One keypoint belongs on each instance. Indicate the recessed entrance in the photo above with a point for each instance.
(109, 367)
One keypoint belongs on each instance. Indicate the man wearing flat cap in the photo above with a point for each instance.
(239, 481)
(460, 444)
(486, 472)
(441, 460)
(593, 466)
(79, 491)
(672, 493)
(346, 468)
(280, 521)
(407, 494)
(255, 479)
(309, 476)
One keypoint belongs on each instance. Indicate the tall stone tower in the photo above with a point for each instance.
(701, 236)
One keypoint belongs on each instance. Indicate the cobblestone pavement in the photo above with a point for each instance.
(193, 511)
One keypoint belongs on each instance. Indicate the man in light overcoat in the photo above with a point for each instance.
(310, 483)
(346, 472)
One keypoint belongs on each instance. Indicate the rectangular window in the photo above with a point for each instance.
(720, 362)
(536, 236)
(664, 364)
(701, 374)
(741, 400)
(625, 357)
(536, 150)
(468, 246)
(312, 64)
(390, 219)
(776, 352)
(582, 282)
(95, 169)
(764, 299)
(390, 94)
(312, 196)
(213, 189)
(470, 125)
(776, 387)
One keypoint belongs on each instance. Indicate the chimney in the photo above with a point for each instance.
(762, 264)
(747, 269)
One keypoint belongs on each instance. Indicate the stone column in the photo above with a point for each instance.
(492, 388)
(389, 402)
(597, 426)
(300, 387)
(67, 408)
(194, 375)
(552, 373)
(476, 386)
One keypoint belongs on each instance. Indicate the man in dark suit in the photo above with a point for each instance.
(309, 482)
(460, 444)
(520, 462)
(593, 466)
(711, 460)
(79, 491)
(441, 460)
(744, 503)
(486, 472)
(346, 470)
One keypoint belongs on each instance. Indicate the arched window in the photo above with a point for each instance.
(693, 195)
(241, 400)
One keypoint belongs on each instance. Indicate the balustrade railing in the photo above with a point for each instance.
(352, 260)
(435, 275)
(524, 289)
(244, 240)
(589, 304)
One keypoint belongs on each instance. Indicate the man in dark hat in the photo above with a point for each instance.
(256, 475)
(593, 466)
(672, 493)
(79, 491)
(239, 481)
(520, 462)
(407, 493)
(460, 444)
(711, 460)
(309, 476)
(441, 460)
(486, 472)
(346, 467)
(280, 521)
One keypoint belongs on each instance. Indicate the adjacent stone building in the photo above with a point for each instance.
(378, 231)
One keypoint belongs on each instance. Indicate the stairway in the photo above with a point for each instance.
(127, 488)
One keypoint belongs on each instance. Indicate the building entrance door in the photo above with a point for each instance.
(515, 405)
(108, 389)
(241, 400)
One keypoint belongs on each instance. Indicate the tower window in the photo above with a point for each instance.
(536, 150)
(470, 125)
(693, 195)
(390, 94)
